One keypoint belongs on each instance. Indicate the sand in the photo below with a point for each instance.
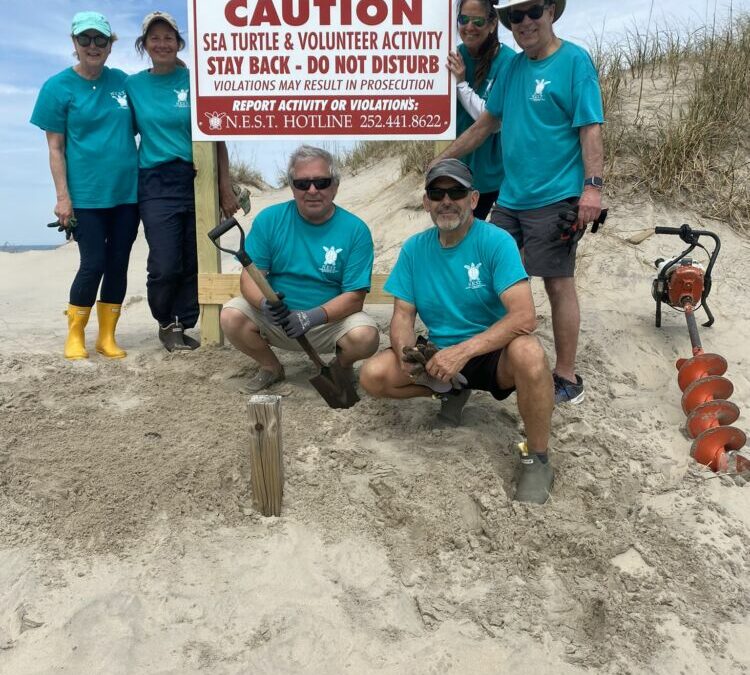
(129, 544)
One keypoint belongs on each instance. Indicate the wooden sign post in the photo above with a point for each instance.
(206, 219)
(266, 454)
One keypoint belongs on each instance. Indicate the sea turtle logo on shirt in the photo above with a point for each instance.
(182, 98)
(331, 258)
(121, 97)
(539, 89)
(474, 280)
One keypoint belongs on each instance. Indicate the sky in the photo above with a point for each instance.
(36, 45)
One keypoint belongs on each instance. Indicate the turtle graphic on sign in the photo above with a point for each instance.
(215, 120)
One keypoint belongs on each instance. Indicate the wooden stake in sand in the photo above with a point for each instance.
(266, 454)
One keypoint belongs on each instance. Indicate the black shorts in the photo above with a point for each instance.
(481, 372)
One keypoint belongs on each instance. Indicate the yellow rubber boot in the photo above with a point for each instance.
(108, 314)
(75, 345)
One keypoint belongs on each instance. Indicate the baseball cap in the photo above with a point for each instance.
(90, 21)
(158, 16)
(450, 168)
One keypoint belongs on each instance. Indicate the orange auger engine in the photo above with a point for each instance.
(684, 285)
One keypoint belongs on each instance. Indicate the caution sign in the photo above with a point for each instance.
(354, 69)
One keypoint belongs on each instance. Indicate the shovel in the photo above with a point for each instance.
(331, 382)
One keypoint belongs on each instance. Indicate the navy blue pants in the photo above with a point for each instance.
(486, 200)
(167, 204)
(104, 237)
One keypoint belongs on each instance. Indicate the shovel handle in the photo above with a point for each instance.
(222, 228)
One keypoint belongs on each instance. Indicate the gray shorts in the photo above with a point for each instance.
(322, 338)
(537, 235)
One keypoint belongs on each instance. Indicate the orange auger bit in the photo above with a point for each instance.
(684, 285)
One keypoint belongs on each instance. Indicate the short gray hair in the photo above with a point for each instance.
(305, 153)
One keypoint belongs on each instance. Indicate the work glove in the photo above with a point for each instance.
(570, 231)
(419, 355)
(275, 312)
(72, 222)
(299, 321)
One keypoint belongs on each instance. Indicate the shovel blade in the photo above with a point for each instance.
(331, 383)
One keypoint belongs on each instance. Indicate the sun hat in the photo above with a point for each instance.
(450, 168)
(158, 16)
(90, 21)
(504, 5)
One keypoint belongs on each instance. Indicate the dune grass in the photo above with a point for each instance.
(415, 155)
(677, 104)
(242, 172)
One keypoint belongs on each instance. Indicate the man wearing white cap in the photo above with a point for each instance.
(465, 280)
(551, 111)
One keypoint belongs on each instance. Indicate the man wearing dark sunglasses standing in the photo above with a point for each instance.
(551, 111)
(465, 280)
(318, 258)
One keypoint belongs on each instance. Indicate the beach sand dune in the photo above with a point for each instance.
(128, 541)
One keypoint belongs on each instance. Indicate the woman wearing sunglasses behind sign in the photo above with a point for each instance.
(160, 97)
(480, 60)
(92, 154)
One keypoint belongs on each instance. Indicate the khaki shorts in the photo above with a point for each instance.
(322, 338)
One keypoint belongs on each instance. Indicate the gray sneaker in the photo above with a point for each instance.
(452, 407)
(567, 391)
(262, 379)
(535, 481)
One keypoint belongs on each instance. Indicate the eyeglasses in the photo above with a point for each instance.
(478, 21)
(305, 183)
(85, 40)
(438, 194)
(535, 12)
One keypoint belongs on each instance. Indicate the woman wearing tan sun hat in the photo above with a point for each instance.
(161, 101)
(86, 115)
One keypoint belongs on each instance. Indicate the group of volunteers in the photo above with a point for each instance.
(106, 184)
(529, 150)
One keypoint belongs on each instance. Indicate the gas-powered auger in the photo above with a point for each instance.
(684, 285)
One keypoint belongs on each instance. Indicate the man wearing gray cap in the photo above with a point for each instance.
(465, 280)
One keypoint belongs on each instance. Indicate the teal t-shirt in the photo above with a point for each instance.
(162, 114)
(456, 290)
(97, 122)
(486, 162)
(311, 264)
(542, 105)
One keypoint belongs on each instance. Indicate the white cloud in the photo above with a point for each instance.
(13, 90)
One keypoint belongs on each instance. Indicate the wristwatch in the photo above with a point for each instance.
(594, 181)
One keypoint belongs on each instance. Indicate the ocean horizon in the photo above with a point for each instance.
(21, 248)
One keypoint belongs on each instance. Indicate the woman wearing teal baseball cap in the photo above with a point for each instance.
(86, 115)
(160, 97)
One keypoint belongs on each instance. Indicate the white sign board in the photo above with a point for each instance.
(355, 69)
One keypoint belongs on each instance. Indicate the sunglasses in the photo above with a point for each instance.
(478, 21)
(438, 194)
(535, 12)
(305, 183)
(85, 40)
